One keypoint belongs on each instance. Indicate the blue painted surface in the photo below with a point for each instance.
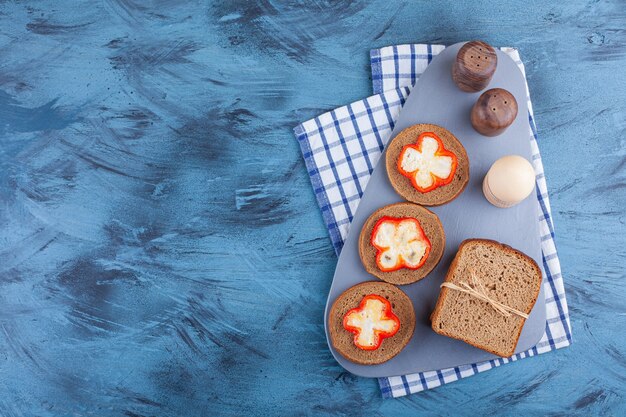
(161, 251)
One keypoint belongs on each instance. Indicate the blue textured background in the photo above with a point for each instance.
(161, 251)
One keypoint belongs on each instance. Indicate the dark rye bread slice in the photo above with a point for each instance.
(509, 277)
(343, 340)
(403, 185)
(432, 229)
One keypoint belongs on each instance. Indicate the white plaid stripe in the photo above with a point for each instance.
(341, 148)
(400, 65)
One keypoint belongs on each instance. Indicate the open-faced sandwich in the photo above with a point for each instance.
(371, 322)
(427, 165)
(487, 296)
(401, 243)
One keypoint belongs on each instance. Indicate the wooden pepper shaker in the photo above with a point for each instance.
(475, 64)
(494, 111)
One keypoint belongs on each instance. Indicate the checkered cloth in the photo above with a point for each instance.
(342, 147)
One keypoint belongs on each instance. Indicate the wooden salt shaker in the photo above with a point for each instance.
(509, 181)
(494, 111)
(475, 64)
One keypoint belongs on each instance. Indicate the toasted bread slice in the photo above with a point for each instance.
(343, 340)
(508, 276)
(432, 228)
(403, 185)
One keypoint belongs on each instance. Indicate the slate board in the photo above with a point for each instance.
(436, 99)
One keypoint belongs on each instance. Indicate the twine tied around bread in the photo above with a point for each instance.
(478, 290)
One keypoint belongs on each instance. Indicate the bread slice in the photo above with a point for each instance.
(343, 340)
(403, 185)
(432, 229)
(508, 276)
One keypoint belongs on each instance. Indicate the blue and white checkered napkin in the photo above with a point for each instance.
(342, 147)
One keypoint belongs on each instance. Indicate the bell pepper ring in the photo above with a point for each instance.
(427, 163)
(371, 322)
(400, 243)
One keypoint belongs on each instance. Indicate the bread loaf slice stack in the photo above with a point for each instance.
(507, 276)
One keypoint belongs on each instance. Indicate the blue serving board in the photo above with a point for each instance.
(436, 99)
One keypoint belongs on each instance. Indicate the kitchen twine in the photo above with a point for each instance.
(479, 291)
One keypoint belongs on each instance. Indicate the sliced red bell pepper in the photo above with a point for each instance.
(401, 259)
(371, 322)
(441, 151)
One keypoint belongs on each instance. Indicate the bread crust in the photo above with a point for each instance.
(342, 340)
(444, 293)
(403, 185)
(432, 227)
